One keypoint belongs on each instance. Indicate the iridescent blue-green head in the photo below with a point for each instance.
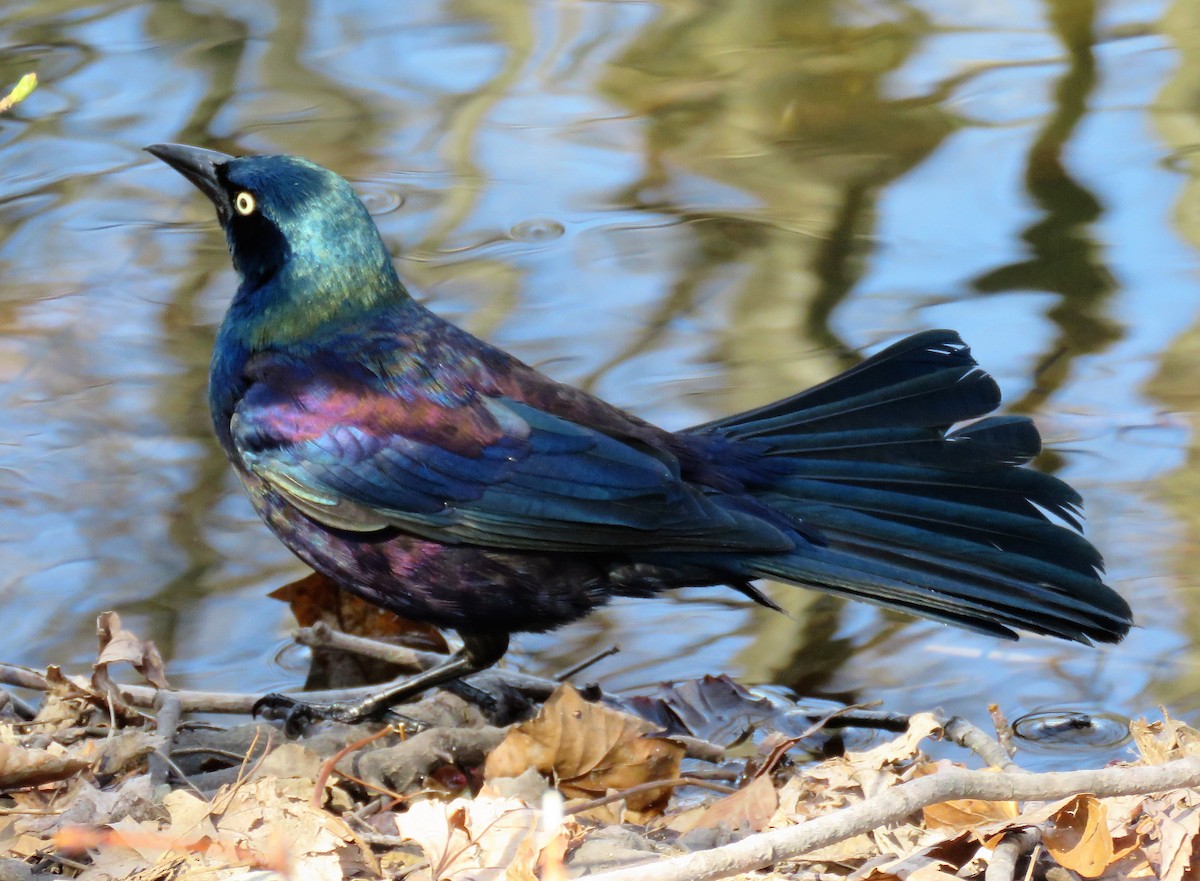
(303, 243)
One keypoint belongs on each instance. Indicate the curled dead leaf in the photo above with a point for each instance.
(1079, 838)
(589, 750)
(118, 644)
(1159, 742)
(903, 749)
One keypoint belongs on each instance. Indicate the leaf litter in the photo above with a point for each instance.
(583, 786)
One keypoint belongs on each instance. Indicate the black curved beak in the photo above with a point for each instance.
(199, 166)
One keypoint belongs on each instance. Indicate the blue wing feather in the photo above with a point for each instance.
(519, 477)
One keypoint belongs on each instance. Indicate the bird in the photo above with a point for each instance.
(439, 477)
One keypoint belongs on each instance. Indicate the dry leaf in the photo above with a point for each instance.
(965, 813)
(118, 644)
(1177, 837)
(904, 748)
(1160, 742)
(274, 815)
(748, 810)
(913, 867)
(589, 749)
(119, 750)
(1079, 838)
(191, 817)
(712, 708)
(478, 839)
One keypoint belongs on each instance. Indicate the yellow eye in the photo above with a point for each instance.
(244, 203)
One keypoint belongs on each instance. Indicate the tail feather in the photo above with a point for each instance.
(916, 517)
(990, 444)
(973, 512)
(926, 380)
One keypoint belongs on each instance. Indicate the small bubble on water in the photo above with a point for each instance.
(380, 199)
(541, 229)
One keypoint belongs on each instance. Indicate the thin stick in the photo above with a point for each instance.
(969, 736)
(317, 798)
(170, 711)
(587, 662)
(1015, 844)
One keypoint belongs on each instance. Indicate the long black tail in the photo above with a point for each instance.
(940, 523)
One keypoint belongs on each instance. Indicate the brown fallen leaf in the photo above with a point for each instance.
(589, 750)
(903, 749)
(274, 814)
(1177, 836)
(965, 813)
(1079, 838)
(67, 704)
(748, 810)
(1159, 742)
(118, 644)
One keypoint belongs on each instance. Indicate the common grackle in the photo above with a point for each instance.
(440, 477)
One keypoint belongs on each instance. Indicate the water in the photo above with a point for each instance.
(688, 208)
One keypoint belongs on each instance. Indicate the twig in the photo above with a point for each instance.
(1015, 844)
(587, 662)
(776, 755)
(768, 848)
(23, 677)
(317, 798)
(143, 696)
(25, 711)
(881, 720)
(969, 736)
(1033, 861)
(1004, 731)
(648, 786)
(321, 635)
(170, 711)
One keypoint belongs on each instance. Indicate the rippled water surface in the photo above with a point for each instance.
(688, 207)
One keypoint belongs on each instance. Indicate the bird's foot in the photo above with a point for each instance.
(297, 715)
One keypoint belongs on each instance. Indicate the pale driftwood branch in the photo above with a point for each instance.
(18, 706)
(971, 737)
(1015, 844)
(170, 713)
(769, 848)
(144, 696)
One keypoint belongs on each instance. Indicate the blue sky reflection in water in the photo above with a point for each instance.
(689, 208)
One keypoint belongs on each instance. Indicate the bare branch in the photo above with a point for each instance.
(970, 736)
(769, 848)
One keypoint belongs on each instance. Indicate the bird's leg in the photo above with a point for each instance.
(479, 651)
